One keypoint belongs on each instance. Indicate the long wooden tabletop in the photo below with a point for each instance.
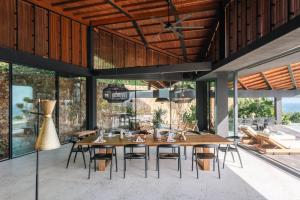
(190, 140)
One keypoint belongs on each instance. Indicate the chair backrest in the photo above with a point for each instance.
(102, 146)
(206, 146)
(168, 146)
(135, 145)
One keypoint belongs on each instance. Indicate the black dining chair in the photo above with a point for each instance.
(77, 149)
(204, 155)
(107, 156)
(231, 148)
(131, 155)
(170, 155)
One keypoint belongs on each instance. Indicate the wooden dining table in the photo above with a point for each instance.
(191, 140)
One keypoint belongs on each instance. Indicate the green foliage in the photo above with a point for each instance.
(157, 117)
(288, 118)
(262, 107)
(189, 116)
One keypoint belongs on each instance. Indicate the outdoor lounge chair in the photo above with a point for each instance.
(277, 143)
(249, 134)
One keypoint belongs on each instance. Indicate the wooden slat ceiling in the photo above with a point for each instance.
(280, 78)
(140, 19)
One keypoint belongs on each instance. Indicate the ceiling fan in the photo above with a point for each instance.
(175, 27)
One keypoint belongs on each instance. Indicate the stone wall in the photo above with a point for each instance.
(4, 113)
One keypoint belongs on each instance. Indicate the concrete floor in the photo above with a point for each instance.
(257, 180)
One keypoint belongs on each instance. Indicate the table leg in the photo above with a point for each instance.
(104, 163)
(205, 163)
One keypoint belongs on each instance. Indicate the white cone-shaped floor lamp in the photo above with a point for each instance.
(47, 138)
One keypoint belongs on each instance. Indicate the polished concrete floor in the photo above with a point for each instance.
(257, 180)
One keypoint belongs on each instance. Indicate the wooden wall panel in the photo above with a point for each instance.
(66, 40)
(163, 59)
(248, 20)
(32, 29)
(76, 57)
(140, 55)
(55, 46)
(25, 27)
(118, 52)
(130, 54)
(8, 24)
(106, 50)
(41, 32)
(83, 49)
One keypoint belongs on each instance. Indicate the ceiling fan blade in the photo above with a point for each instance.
(183, 19)
(176, 33)
(159, 20)
(188, 27)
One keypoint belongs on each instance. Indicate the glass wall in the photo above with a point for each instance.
(111, 116)
(183, 108)
(72, 106)
(4, 110)
(28, 85)
(149, 104)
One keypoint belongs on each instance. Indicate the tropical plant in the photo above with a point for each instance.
(157, 117)
(288, 118)
(262, 107)
(190, 115)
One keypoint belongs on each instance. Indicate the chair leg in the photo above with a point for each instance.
(238, 153)
(116, 159)
(75, 156)
(225, 156)
(83, 156)
(193, 149)
(179, 159)
(70, 155)
(148, 153)
(95, 164)
(232, 156)
(184, 152)
(218, 165)
(89, 169)
(197, 166)
(111, 165)
(124, 168)
(146, 159)
(178, 164)
(157, 151)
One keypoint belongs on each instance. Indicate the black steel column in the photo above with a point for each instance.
(201, 105)
(91, 85)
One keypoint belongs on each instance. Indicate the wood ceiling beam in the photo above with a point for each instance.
(266, 81)
(75, 8)
(175, 40)
(100, 15)
(192, 46)
(62, 3)
(242, 84)
(172, 21)
(292, 77)
(133, 21)
(148, 15)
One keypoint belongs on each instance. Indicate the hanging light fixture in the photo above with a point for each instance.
(115, 93)
(182, 95)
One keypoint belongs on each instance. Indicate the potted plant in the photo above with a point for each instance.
(157, 117)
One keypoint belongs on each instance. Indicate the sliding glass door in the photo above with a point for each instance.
(28, 85)
(4, 110)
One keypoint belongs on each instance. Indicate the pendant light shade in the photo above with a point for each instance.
(47, 138)
(115, 93)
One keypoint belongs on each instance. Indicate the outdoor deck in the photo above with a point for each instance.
(257, 180)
